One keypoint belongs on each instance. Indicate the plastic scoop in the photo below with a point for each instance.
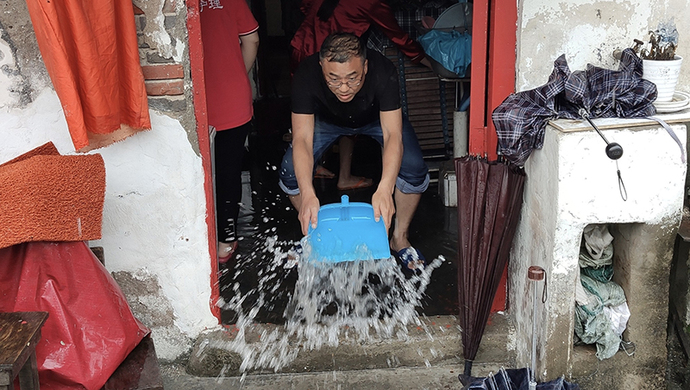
(347, 232)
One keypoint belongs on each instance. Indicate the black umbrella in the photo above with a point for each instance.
(516, 379)
(489, 201)
(521, 118)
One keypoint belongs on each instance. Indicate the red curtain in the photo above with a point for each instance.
(90, 50)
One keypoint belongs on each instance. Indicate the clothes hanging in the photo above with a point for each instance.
(91, 53)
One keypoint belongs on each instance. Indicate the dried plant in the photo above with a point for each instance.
(662, 43)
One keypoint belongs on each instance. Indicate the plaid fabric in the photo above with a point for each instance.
(407, 18)
(521, 119)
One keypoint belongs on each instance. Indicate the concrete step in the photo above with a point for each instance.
(620, 372)
(435, 377)
(437, 342)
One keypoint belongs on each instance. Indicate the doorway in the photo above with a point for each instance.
(270, 219)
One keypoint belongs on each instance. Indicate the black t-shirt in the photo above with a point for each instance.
(380, 92)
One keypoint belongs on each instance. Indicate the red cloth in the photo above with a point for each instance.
(90, 328)
(353, 16)
(90, 50)
(228, 92)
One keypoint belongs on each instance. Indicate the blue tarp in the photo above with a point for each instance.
(452, 49)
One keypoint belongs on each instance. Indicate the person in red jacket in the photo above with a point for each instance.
(323, 17)
(231, 41)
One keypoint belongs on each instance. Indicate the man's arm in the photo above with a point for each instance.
(303, 162)
(382, 201)
(250, 47)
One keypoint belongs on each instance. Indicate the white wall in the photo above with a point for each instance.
(154, 213)
(589, 31)
(570, 184)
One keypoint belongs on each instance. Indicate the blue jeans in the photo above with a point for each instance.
(413, 177)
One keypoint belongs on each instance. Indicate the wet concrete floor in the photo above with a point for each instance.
(433, 229)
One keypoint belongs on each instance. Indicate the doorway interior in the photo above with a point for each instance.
(267, 214)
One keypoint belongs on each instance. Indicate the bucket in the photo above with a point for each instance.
(347, 232)
(663, 73)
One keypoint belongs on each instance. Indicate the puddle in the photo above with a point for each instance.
(361, 301)
(312, 304)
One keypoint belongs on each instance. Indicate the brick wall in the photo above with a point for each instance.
(164, 77)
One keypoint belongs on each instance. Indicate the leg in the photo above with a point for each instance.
(28, 374)
(345, 178)
(413, 180)
(229, 151)
(405, 206)
(325, 135)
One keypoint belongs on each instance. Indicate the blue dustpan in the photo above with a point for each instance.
(347, 232)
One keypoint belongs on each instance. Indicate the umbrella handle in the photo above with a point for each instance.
(468, 368)
(613, 150)
(535, 274)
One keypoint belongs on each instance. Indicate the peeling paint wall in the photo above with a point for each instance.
(155, 239)
(22, 72)
(589, 32)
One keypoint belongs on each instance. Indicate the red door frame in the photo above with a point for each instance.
(196, 62)
(494, 28)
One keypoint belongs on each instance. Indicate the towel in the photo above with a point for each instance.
(49, 197)
(91, 53)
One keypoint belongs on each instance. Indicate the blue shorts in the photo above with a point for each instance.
(413, 177)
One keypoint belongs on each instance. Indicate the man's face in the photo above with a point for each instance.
(344, 79)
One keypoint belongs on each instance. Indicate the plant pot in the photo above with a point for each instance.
(663, 73)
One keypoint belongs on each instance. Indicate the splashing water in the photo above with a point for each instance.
(317, 304)
(362, 301)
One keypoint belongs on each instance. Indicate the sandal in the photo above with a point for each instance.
(323, 173)
(229, 252)
(293, 256)
(411, 260)
(362, 183)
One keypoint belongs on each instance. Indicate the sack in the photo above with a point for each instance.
(90, 328)
(452, 49)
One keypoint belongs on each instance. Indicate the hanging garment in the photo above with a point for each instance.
(521, 119)
(91, 53)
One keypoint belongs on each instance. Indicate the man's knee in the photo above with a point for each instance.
(287, 179)
(407, 186)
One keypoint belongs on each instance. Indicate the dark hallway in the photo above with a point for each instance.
(267, 211)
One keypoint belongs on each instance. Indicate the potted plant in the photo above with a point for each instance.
(661, 64)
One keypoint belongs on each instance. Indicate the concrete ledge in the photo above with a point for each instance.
(437, 342)
(435, 377)
(620, 372)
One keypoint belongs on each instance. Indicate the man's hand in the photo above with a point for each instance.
(383, 205)
(308, 213)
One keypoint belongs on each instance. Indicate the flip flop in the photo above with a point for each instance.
(294, 254)
(410, 256)
(362, 183)
(323, 173)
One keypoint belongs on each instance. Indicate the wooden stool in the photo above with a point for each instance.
(19, 334)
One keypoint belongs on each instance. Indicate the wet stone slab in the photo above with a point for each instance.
(434, 341)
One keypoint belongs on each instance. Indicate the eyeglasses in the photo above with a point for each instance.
(352, 82)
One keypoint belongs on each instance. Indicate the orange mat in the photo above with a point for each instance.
(45, 196)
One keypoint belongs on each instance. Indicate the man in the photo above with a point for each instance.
(347, 90)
